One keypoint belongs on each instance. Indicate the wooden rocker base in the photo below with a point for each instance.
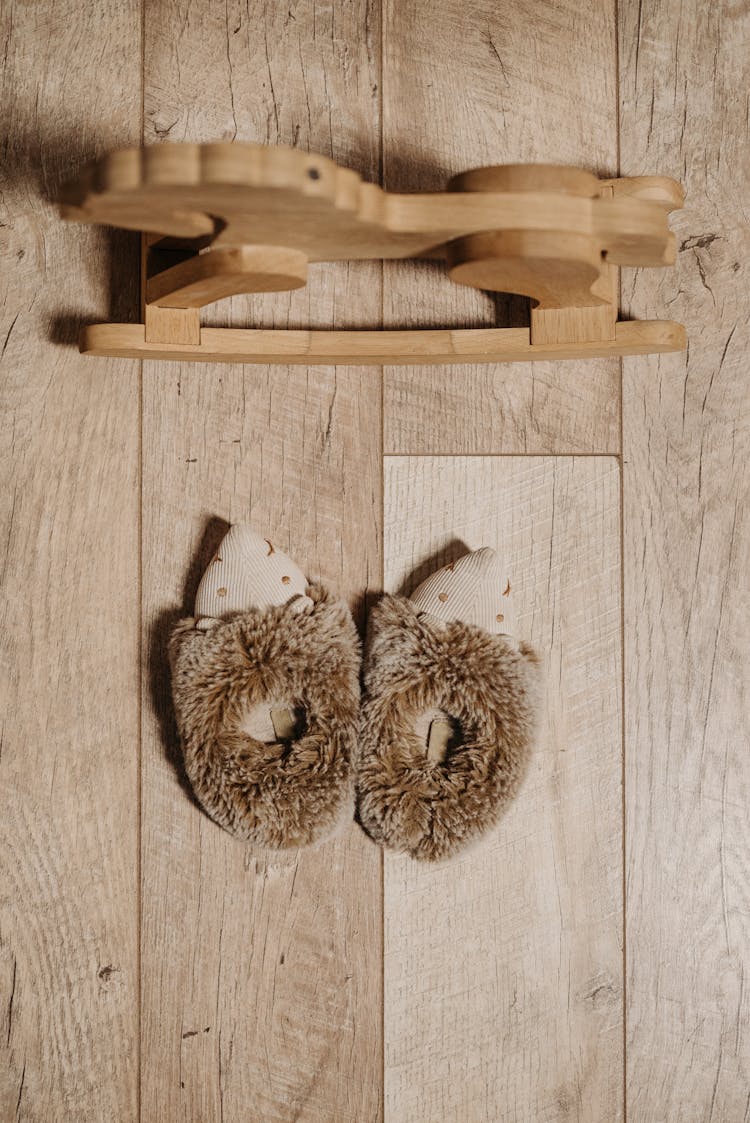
(483, 345)
(225, 219)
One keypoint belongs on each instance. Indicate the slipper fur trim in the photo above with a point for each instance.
(276, 795)
(432, 809)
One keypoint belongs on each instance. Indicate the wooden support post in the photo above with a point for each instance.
(166, 325)
(581, 325)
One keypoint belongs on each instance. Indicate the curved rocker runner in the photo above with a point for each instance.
(554, 234)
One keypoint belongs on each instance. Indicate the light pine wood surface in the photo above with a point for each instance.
(70, 597)
(261, 975)
(588, 961)
(503, 968)
(686, 426)
(493, 83)
(233, 191)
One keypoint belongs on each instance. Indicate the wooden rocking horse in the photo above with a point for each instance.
(221, 219)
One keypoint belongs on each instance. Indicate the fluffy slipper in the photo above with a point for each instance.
(266, 693)
(450, 711)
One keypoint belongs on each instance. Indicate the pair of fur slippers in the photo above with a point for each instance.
(278, 742)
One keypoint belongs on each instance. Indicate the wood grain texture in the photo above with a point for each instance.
(504, 968)
(304, 75)
(686, 70)
(277, 196)
(69, 603)
(261, 981)
(262, 976)
(264, 345)
(491, 83)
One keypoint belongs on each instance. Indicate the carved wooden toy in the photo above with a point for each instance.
(233, 218)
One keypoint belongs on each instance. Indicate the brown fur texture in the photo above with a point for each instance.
(276, 795)
(431, 809)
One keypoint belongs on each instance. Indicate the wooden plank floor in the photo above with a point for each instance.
(267, 1005)
(70, 598)
(588, 961)
(483, 88)
(687, 560)
(503, 968)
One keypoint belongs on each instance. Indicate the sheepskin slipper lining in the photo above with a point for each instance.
(487, 684)
(282, 794)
